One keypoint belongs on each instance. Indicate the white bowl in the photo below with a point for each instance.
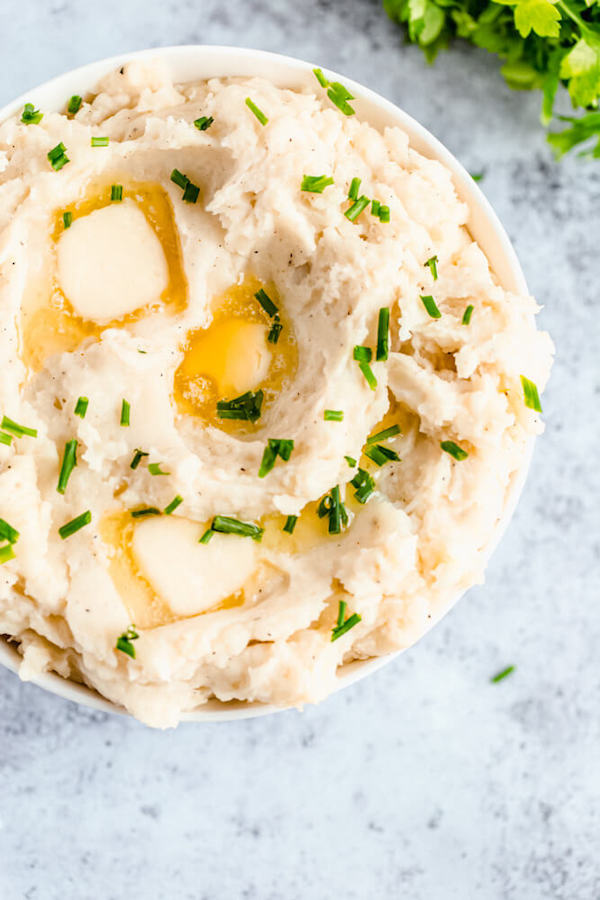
(192, 63)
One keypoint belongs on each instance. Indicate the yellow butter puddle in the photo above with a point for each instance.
(49, 325)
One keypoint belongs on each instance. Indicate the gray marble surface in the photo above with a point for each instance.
(424, 782)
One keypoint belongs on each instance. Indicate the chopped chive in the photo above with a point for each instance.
(364, 484)
(145, 511)
(137, 458)
(340, 95)
(362, 354)
(275, 331)
(350, 460)
(172, 506)
(367, 371)
(320, 77)
(247, 406)
(6, 554)
(392, 431)
(99, 142)
(69, 461)
(116, 193)
(354, 189)
(227, 525)
(124, 642)
(432, 263)
(67, 218)
(354, 211)
(74, 525)
(74, 104)
(380, 454)
(31, 115)
(454, 450)
(8, 533)
(275, 447)
(341, 613)
(190, 192)
(267, 304)
(467, 314)
(179, 178)
(503, 674)
(16, 429)
(5, 438)
(155, 469)
(340, 630)
(81, 407)
(530, 393)
(430, 306)
(383, 334)
(384, 214)
(315, 184)
(290, 524)
(203, 123)
(57, 157)
(477, 176)
(206, 536)
(332, 507)
(334, 415)
(125, 413)
(257, 112)
(375, 208)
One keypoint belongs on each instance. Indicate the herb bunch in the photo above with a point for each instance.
(548, 45)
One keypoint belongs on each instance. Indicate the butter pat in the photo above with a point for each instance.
(111, 263)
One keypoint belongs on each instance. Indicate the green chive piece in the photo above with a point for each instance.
(477, 176)
(351, 461)
(203, 123)
(267, 304)
(16, 429)
(172, 506)
(74, 104)
(332, 506)
(81, 407)
(116, 193)
(247, 406)
(354, 189)
(340, 630)
(179, 178)
(206, 536)
(367, 371)
(99, 142)
(384, 214)
(354, 211)
(228, 525)
(362, 354)
(257, 112)
(334, 415)
(320, 77)
(124, 641)
(383, 334)
(67, 218)
(375, 208)
(467, 314)
(125, 413)
(275, 330)
(191, 192)
(145, 511)
(454, 450)
(5, 438)
(8, 533)
(503, 674)
(364, 484)
(315, 184)
(341, 613)
(57, 157)
(275, 447)
(31, 115)
(432, 263)
(380, 454)
(339, 95)
(290, 524)
(6, 554)
(137, 458)
(69, 461)
(430, 306)
(155, 469)
(74, 525)
(530, 393)
(392, 431)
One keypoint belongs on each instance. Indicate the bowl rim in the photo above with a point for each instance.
(189, 62)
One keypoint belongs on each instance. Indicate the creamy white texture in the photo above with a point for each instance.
(422, 536)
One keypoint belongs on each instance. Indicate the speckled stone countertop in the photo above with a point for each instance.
(425, 781)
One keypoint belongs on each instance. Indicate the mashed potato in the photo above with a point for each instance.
(263, 398)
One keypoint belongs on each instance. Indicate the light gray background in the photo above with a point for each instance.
(425, 782)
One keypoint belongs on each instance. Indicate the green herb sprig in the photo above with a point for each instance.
(275, 447)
